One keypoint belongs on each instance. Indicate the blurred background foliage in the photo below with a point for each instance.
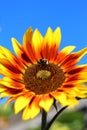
(68, 120)
(5, 112)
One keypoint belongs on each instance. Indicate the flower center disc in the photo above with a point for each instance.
(43, 79)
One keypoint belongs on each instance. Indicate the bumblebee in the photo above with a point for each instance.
(42, 62)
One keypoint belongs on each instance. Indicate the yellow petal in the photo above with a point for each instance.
(82, 88)
(72, 59)
(30, 113)
(64, 99)
(35, 111)
(4, 94)
(2, 89)
(48, 37)
(46, 103)
(37, 42)
(9, 83)
(80, 53)
(4, 70)
(20, 103)
(6, 79)
(27, 36)
(37, 39)
(61, 98)
(6, 82)
(27, 48)
(63, 53)
(83, 76)
(77, 78)
(57, 37)
(1, 54)
(67, 49)
(76, 92)
(17, 47)
(31, 110)
(5, 53)
(78, 69)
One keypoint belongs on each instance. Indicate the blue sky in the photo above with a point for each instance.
(17, 15)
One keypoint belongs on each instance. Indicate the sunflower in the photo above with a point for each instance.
(40, 73)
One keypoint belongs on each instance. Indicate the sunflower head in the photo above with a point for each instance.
(39, 73)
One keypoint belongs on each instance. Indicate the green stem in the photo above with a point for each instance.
(44, 120)
(55, 116)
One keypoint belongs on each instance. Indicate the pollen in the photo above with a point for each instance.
(43, 74)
